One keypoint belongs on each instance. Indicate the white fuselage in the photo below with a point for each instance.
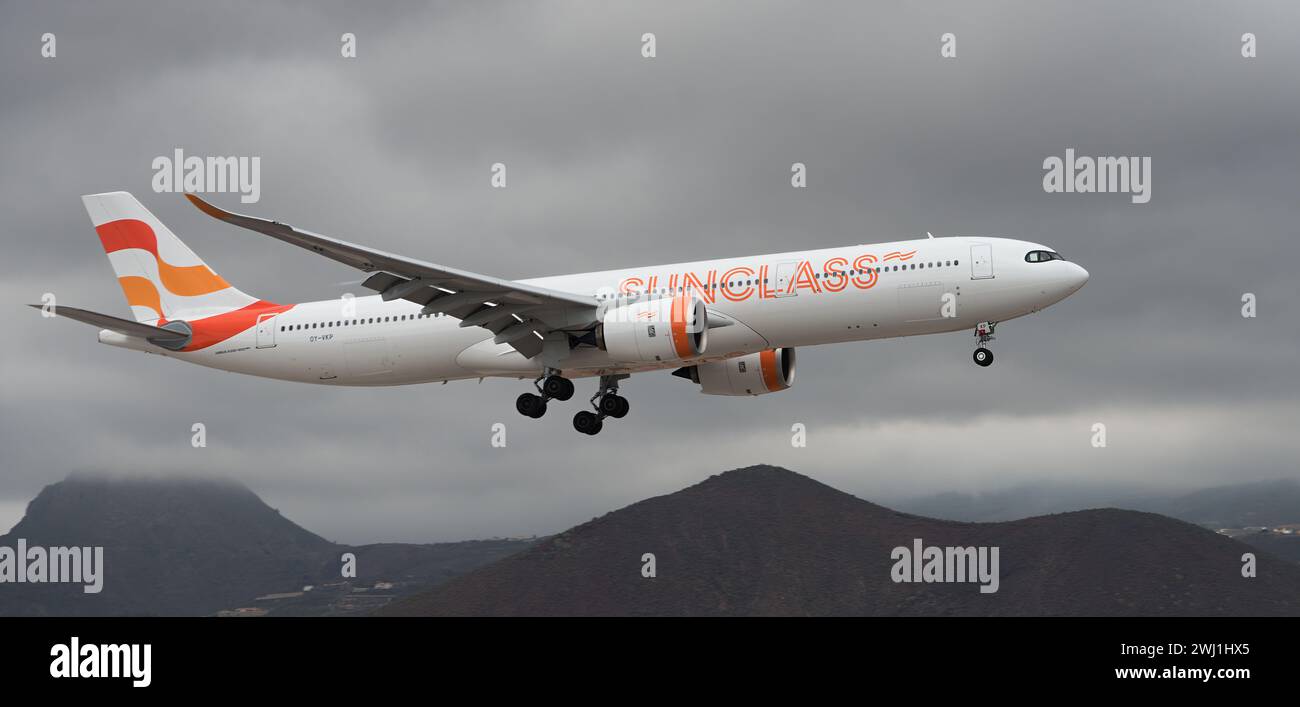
(795, 299)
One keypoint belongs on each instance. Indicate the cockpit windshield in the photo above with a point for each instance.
(1042, 256)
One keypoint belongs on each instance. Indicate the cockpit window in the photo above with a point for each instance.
(1042, 256)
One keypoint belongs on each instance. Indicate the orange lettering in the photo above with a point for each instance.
(805, 278)
(836, 278)
(744, 291)
(866, 277)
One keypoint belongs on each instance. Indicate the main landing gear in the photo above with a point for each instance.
(552, 386)
(984, 330)
(607, 402)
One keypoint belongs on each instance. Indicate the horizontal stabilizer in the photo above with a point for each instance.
(126, 327)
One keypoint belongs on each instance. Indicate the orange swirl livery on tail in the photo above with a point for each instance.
(164, 280)
(141, 293)
(186, 281)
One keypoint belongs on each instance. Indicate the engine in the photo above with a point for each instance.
(668, 329)
(755, 374)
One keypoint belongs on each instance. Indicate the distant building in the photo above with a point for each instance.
(243, 611)
(281, 595)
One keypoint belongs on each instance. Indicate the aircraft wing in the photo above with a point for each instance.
(518, 314)
(157, 335)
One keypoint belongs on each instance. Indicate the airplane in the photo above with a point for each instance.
(731, 326)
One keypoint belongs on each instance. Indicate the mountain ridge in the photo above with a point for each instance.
(196, 546)
(767, 541)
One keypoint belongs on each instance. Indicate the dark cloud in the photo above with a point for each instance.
(617, 161)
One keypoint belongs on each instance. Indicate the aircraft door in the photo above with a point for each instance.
(981, 261)
(266, 331)
(785, 278)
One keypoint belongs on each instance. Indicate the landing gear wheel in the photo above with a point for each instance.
(587, 423)
(983, 356)
(557, 387)
(613, 405)
(530, 405)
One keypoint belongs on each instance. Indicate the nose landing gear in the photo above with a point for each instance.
(610, 404)
(984, 331)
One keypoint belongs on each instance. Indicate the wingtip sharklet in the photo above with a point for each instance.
(207, 208)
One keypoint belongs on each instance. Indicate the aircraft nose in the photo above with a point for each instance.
(1077, 278)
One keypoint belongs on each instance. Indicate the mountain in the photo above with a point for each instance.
(197, 546)
(1023, 501)
(767, 541)
(1286, 547)
(1265, 503)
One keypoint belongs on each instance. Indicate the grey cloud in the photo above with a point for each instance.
(616, 161)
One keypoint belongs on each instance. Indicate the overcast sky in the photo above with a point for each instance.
(616, 160)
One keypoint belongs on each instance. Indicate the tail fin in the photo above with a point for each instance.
(161, 277)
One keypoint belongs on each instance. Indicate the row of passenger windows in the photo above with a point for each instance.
(665, 290)
(850, 273)
(357, 322)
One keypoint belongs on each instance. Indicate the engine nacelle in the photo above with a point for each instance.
(667, 329)
(755, 374)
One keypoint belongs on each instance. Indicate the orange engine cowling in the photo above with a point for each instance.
(754, 374)
(668, 329)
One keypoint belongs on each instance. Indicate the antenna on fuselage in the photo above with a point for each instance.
(931, 235)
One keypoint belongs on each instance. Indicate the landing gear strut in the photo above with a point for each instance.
(552, 386)
(984, 331)
(607, 402)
